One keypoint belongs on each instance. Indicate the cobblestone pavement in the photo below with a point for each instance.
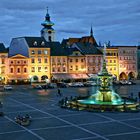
(49, 122)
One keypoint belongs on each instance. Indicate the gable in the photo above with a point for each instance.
(18, 56)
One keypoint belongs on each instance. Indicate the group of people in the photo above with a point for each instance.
(19, 119)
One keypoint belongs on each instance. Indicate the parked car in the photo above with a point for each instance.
(8, 87)
(52, 85)
(37, 86)
(77, 84)
(48, 86)
(90, 83)
(62, 85)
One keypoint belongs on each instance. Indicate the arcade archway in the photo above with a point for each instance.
(44, 77)
(131, 75)
(123, 76)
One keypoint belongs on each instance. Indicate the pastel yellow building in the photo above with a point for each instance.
(112, 61)
(39, 62)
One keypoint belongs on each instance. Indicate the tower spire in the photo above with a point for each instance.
(91, 31)
(47, 10)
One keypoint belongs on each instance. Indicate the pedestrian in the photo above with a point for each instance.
(88, 93)
(136, 99)
(139, 95)
(59, 92)
(131, 94)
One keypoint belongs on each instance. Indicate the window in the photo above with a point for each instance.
(114, 68)
(82, 60)
(24, 62)
(64, 60)
(42, 43)
(39, 51)
(58, 69)
(35, 43)
(18, 62)
(53, 60)
(45, 60)
(53, 69)
(114, 61)
(32, 60)
(3, 61)
(110, 61)
(39, 60)
(76, 60)
(45, 52)
(64, 69)
(39, 69)
(70, 60)
(18, 70)
(46, 69)
(76, 53)
(33, 69)
(71, 67)
(32, 51)
(76, 68)
(11, 70)
(12, 62)
(58, 60)
(25, 70)
(50, 38)
(99, 60)
(49, 32)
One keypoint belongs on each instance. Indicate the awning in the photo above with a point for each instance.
(70, 76)
(79, 76)
(61, 76)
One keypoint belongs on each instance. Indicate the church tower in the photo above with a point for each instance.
(48, 32)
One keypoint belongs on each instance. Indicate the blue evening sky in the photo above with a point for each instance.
(114, 20)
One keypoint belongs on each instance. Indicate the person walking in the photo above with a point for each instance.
(59, 92)
(139, 95)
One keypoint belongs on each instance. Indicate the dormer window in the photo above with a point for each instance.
(35, 43)
(32, 51)
(42, 43)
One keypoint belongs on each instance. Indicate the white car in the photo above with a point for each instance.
(78, 84)
(8, 87)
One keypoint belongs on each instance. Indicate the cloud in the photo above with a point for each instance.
(111, 20)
